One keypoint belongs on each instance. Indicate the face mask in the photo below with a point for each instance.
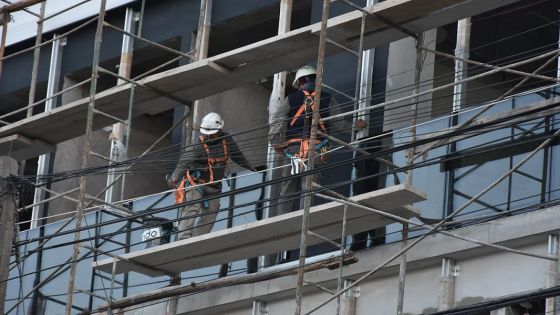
(309, 86)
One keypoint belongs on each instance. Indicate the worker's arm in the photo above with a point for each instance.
(237, 156)
(278, 123)
(185, 162)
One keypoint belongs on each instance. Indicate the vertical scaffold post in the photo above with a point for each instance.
(5, 20)
(118, 147)
(200, 52)
(36, 57)
(311, 157)
(410, 161)
(128, 130)
(353, 136)
(85, 154)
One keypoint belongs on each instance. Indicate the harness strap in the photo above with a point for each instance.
(304, 146)
(180, 195)
(214, 160)
(309, 99)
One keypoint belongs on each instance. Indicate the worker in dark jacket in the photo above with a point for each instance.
(199, 173)
(290, 128)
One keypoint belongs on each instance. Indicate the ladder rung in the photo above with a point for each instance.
(101, 156)
(338, 92)
(92, 294)
(110, 116)
(320, 287)
(323, 238)
(351, 51)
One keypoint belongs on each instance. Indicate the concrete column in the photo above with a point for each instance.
(366, 83)
(277, 96)
(44, 161)
(505, 311)
(349, 299)
(447, 284)
(461, 67)
(8, 166)
(551, 305)
(260, 308)
(117, 151)
(201, 52)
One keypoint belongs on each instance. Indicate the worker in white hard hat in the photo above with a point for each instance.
(199, 173)
(290, 129)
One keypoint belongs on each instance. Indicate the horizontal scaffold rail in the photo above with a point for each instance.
(268, 236)
(159, 92)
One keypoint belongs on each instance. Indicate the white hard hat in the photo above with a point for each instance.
(302, 72)
(211, 124)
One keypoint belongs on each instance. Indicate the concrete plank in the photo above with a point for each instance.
(22, 148)
(271, 235)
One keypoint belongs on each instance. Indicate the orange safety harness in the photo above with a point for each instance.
(308, 103)
(211, 161)
(194, 179)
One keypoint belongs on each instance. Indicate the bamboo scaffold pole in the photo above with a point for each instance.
(311, 156)
(36, 57)
(20, 5)
(353, 137)
(5, 21)
(24, 10)
(409, 161)
(442, 222)
(267, 274)
(491, 66)
(85, 153)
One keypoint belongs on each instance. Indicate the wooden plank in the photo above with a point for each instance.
(271, 235)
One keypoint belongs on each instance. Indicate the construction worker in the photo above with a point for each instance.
(198, 175)
(290, 130)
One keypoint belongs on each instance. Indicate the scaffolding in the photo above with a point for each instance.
(366, 19)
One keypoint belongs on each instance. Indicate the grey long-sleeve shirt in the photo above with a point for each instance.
(195, 158)
(279, 122)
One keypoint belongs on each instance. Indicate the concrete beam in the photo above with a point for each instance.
(23, 148)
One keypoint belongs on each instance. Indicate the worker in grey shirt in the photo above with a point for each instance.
(290, 128)
(199, 173)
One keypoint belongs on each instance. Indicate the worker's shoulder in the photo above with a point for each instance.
(226, 135)
(300, 95)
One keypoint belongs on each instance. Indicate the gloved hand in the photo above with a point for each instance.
(172, 181)
(279, 148)
(360, 124)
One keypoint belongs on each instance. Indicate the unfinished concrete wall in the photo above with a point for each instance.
(68, 156)
(483, 273)
(481, 277)
(400, 81)
(245, 113)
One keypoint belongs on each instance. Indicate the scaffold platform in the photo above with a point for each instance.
(267, 236)
(237, 68)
